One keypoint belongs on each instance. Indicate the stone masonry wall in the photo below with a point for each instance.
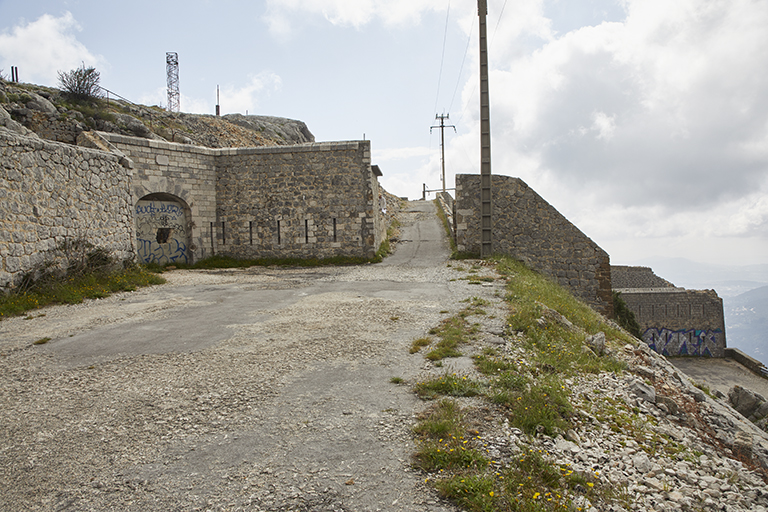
(309, 201)
(51, 193)
(236, 197)
(184, 172)
(679, 322)
(637, 277)
(529, 229)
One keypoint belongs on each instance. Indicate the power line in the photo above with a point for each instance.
(493, 36)
(442, 57)
(461, 69)
(498, 22)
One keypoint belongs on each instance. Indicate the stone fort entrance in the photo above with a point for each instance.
(162, 229)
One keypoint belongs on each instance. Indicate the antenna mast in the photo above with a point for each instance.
(172, 71)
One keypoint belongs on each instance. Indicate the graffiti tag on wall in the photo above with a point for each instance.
(161, 231)
(686, 342)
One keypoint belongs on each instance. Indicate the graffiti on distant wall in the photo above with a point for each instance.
(161, 231)
(686, 342)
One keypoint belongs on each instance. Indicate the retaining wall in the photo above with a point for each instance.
(528, 228)
(51, 193)
(679, 322)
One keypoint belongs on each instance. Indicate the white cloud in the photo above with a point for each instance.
(604, 125)
(283, 15)
(43, 47)
(248, 97)
(673, 97)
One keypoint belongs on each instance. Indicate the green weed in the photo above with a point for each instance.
(418, 344)
(448, 384)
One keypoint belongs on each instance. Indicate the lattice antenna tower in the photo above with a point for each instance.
(172, 70)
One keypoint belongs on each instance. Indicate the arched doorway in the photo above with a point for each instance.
(162, 229)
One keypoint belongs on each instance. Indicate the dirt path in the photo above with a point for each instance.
(256, 389)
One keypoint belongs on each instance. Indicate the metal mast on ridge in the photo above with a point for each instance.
(172, 71)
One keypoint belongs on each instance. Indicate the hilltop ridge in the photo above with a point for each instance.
(51, 114)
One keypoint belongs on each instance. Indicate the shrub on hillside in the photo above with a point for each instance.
(624, 316)
(81, 83)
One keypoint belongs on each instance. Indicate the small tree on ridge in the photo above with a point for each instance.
(81, 83)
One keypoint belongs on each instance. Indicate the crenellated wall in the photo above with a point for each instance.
(528, 228)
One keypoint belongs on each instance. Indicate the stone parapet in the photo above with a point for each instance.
(679, 322)
(636, 277)
(528, 228)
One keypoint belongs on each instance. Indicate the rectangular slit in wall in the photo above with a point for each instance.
(250, 232)
(306, 231)
(334, 229)
(278, 233)
(213, 241)
(223, 237)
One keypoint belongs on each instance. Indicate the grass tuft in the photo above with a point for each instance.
(448, 384)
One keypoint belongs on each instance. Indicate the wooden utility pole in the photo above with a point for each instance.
(486, 207)
(442, 127)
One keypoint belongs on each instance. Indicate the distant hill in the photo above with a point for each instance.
(746, 320)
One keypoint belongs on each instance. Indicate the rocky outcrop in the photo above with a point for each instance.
(7, 122)
(749, 404)
(275, 128)
(52, 115)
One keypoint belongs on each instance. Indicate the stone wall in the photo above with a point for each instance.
(51, 193)
(679, 322)
(169, 172)
(636, 277)
(529, 229)
(309, 201)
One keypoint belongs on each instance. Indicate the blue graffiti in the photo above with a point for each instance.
(686, 342)
(153, 209)
(150, 251)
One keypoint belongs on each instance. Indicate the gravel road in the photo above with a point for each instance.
(255, 389)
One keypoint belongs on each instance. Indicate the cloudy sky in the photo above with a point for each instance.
(645, 122)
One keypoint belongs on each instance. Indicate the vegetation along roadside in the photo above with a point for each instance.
(522, 385)
(74, 271)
